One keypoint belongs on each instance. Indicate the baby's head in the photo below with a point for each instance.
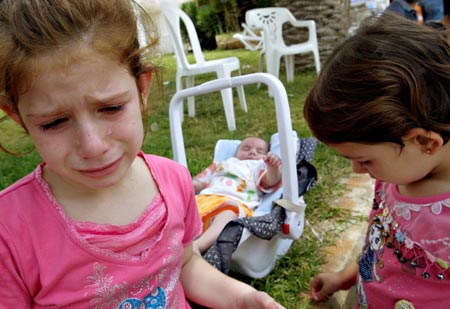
(252, 148)
(392, 76)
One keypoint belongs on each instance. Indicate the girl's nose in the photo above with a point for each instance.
(91, 139)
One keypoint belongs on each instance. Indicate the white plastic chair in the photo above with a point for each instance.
(254, 257)
(223, 67)
(249, 38)
(270, 21)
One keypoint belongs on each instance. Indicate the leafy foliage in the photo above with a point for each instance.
(212, 17)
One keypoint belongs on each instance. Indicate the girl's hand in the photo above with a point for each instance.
(324, 285)
(258, 300)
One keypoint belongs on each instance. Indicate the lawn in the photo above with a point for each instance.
(289, 281)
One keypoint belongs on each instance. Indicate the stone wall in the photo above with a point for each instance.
(334, 19)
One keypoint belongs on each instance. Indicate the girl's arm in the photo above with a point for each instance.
(206, 286)
(324, 285)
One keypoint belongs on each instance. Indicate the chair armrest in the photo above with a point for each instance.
(310, 24)
(249, 30)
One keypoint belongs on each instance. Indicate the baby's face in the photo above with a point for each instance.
(252, 148)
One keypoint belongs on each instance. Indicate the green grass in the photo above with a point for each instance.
(289, 281)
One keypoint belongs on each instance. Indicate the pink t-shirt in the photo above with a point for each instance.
(48, 260)
(406, 258)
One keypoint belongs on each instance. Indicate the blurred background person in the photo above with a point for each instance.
(405, 8)
(432, 10)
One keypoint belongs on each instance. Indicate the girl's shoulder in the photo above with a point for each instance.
(162, 163)
(23, 188)
(165, 169)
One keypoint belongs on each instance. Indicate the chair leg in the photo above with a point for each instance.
(261, 56)
(227, 98)
(317, 60)
(260, 64)
(273, 64)
(289, 63)
(179, 87)
(191, 100)
(241, 95)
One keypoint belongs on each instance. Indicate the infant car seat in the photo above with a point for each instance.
(251, 246)
(239, 238)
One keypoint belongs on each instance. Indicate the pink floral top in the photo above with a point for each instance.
(405, 261)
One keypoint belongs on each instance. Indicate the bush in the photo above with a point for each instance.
(212, 17)
(205, 22)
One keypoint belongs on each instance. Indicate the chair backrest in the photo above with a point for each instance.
(270, 21)
(174, 15)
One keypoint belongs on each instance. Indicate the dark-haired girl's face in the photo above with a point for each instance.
(388, 161)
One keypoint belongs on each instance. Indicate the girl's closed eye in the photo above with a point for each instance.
(54, 124)
(112, 109)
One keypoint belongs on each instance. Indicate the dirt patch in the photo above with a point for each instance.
(358, 200)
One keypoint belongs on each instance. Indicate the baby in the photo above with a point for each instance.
(233, 188)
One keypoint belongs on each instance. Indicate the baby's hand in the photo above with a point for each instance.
(272, 160)
(258, 300)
